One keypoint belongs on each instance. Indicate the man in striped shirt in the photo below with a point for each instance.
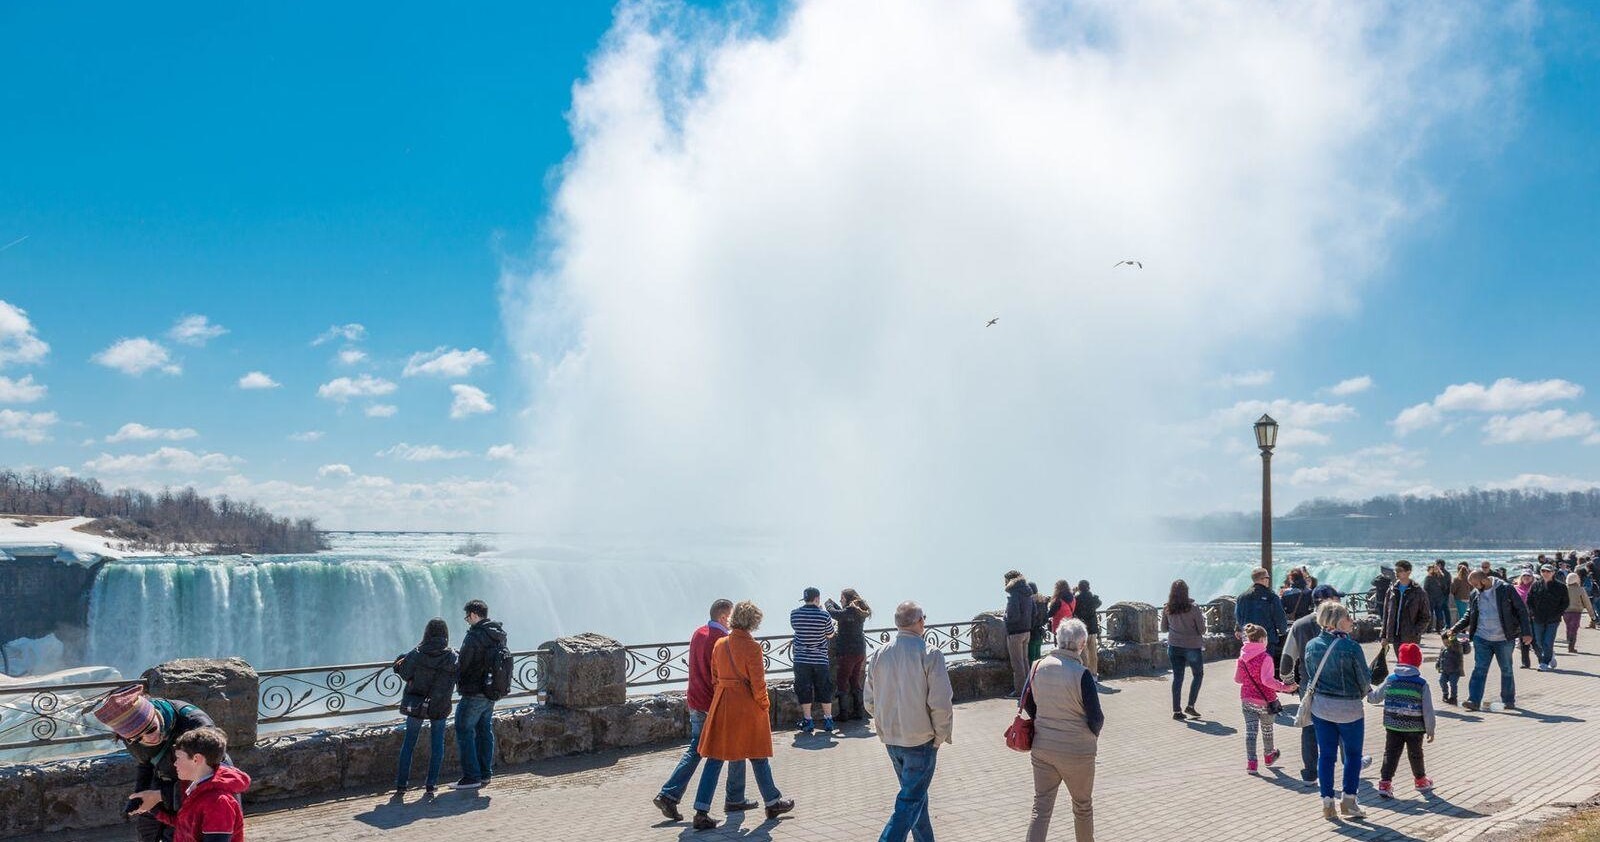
(813, 679)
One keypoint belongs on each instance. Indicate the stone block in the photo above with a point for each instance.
(989, 636)
(293, 766)
(972, 680)
(1223, 620)
(21, 791)
(1221, 647)
(369, 755)
(1134, 622)
(544, 732)
(227, 689)
(86, 793)
(1366, 629)
(785, 709)
(587, 670)
(638, 722)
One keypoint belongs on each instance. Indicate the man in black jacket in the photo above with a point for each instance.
(1495, 619)
(1086, 609)
(148, 727)
(1547, 601)
(475, 712)
(1019, 625)
(1405, 611)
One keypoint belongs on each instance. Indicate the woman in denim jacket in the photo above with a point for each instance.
(1336, 709)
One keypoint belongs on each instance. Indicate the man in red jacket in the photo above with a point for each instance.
(699, 698)
(210, 810)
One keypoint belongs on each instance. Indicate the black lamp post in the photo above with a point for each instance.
(1266, 439)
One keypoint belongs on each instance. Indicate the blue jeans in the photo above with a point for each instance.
(761, 766)
(1195, 660)
(913, 765)
(1331, 737)
(690, 761)
(1484, 651)
(1544, 642)
(1450, 686)
(1461, 608)
(1441, 616)
(475, 737)
(435, 750)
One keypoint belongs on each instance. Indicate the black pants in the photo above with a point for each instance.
(146, 828)
(1411, 741)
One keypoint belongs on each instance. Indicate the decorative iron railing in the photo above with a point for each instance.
(293, 695)
(42, 715)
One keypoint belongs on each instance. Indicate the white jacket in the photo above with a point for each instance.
(908, 693)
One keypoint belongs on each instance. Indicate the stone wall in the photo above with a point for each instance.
(55, 592)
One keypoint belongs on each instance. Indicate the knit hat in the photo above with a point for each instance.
(127, 711)
(1410, 655)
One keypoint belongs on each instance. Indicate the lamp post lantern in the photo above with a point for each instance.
(1266, 439)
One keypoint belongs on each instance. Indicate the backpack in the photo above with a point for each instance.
(497, 677)
(1041, 611)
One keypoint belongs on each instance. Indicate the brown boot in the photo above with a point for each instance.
(703, 821)
(779, 807)
(1572, 647)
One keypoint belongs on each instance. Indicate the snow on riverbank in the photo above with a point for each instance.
(19, 531)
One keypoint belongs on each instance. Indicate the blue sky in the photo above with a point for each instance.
(284, 170)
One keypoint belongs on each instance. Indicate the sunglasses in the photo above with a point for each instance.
(148, 730)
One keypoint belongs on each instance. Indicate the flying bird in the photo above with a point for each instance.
(992, 321)
(14, 242)
(1130, 263)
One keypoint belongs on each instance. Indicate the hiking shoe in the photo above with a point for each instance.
(1329, 811)
(827, 724)
(668, 808)
(1385, 789)
(1191, 712)
(1544, 667)
(807, 726)
(779, 807)
(703, 821)
(1424, 784)
(467, 783)
(1250, 767)
(1351, 809)
(1272, 757)
(739, 806)
(1178, 715)
(1469, 705)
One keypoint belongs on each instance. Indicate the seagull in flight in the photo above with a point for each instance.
(992, 321)
(1130, 263)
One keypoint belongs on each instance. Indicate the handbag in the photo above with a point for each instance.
(1302, 717)
(1019, 737)
(414, 705)
(1274, 707)
(1380, 665)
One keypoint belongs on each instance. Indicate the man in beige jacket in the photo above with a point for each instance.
(909, 697)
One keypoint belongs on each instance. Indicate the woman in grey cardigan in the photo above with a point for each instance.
(1066, 729)
(1186, 633)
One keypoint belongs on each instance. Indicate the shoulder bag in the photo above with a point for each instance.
(1274, 707)
(1302, 717)
(1019, 737)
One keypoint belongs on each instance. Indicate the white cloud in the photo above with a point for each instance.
(195, 330)
(504, 452)
(381, 410)
(445, 362)
(1351, 386)
(1544, 425)
(1542, 482)
(1383, 469)
(339, 470)
(167, 460)
(382, 503)
(18, 341)
(352, 356)
(139, 432)
(469, 400)
(137, 356)
(421, 453)
(350, 333)
(1246, 378)
(341, 389)
(22, 390)
(31, 427)
(308, 435)
(257, 380)
(1507, 394)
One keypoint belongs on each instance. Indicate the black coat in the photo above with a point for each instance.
(1513, 612)
(851, 637)
(156, 762)
(430, 674)
(1019, 606)
(1547, 601)
(1406, 614)
(1085, 609)
(481, 641)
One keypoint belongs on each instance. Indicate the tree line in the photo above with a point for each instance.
(167, 521)
(1474, 517)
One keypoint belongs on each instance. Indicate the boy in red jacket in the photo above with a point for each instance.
(210, 811)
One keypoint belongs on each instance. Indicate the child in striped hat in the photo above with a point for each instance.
(1407, 718)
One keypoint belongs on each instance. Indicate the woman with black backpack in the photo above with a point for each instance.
(429, 671)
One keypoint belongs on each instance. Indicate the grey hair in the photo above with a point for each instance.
(1072, 635)
(907, 614)
(1330, 613)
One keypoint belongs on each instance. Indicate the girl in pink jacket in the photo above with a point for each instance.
(1259, 687)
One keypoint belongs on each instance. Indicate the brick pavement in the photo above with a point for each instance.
(1157, 780)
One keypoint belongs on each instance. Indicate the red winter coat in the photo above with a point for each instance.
(210, 812)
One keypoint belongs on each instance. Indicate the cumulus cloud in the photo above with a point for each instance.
(31, 427)
(349, 333)
(1384, 469)
(381, 410)
(173, 460)
(1547, 425)
(1351, 386)
(445, 362)
(22, 390)
(1290, 414)
(308, 435)
(139, 432)
(815, 224)
(257, 380)
(421, 452)
(469, 400)
(1542, 482)
(1246, 378)
(502, 452)
(352, 356)
(1507, 394)
(341, 389)
(136, 356)
(195, 330)
(339, 470)
(19, 343)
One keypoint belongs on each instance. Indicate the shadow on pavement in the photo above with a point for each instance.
(1431, 803)
(1213, 728)
(395, 813)
(734, 828)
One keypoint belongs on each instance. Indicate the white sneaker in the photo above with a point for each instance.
(1366, 761)
(1329, 809)
(1350, 808)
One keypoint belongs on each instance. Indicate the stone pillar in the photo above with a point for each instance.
(1134, 622)
(588, 670)
(228, 690)
(1224, 620)
(989, 636)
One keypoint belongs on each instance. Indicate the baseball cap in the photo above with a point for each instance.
(1321, 592)
(810, 594)
(1549, 567)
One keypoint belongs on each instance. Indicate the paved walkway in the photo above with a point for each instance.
(1157, 780)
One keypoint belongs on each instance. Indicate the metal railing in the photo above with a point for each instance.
(295, 695)
(46, 715)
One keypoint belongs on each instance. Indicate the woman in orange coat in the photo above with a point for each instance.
(739, 726)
